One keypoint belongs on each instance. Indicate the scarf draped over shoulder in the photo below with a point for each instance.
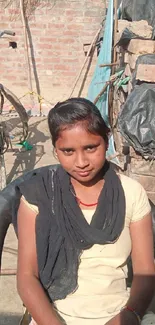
(62, 232)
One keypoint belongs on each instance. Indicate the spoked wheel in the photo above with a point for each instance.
(9, 131)
(16, 130)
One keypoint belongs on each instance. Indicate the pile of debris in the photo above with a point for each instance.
(134, 99)
(137, 47)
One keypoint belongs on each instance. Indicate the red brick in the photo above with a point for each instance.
(38, 25)
(139, 46)
(146, 72)
(67, 40)
(127, 71)
(141, 28)
(75, 26)
(14, 11)
(56, 26)
(61, 67)
(58, 33)
(20, 83)
(11, 77)
(91, 13)
(73, 13)
(131, 59)
(70, 74)
(71, 60)
(51, 60)
(71, 32)
(48, 39)
(45, 46)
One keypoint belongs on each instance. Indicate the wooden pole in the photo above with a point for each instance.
(85, 61)
(108, 64)
(101, 92)
(108, 83)
(27, 59)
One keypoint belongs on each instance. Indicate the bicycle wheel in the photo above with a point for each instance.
(18, 130)
(4, 138)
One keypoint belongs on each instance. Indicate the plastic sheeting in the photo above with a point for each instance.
(102, 75)
(137, 120)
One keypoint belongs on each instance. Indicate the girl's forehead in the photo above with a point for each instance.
(76, 130)
(77, 134)
(83, 124)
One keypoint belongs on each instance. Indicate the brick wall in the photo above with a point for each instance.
(57, 34)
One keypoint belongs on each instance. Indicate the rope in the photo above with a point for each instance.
(40, 99)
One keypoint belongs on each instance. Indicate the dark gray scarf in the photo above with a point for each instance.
(62, 232)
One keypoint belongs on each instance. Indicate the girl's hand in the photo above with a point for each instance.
(125, 317)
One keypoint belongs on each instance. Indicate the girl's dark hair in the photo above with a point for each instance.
(74, 110)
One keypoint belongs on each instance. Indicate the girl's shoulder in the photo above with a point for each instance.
(32, 207)
(137, 202)
(127, 182)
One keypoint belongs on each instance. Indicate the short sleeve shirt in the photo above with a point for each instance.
(102, 272)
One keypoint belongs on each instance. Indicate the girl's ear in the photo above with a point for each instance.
(55, 153)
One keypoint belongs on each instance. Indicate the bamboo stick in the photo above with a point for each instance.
(108, 83)
(102, 92)
(108, 64)
(85, 61)
(27, 60)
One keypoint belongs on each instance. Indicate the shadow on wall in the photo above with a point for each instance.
(27, 160)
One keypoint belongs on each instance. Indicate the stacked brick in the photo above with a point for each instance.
(137, 47)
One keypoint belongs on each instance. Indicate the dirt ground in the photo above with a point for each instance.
(17, 162)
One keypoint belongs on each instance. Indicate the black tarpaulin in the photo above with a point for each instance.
(136, 120)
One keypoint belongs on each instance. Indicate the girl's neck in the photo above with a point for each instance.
(87, 195)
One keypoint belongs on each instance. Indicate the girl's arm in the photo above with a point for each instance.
(29, 287)
(143, 285)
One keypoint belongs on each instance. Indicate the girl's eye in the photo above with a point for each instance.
(68, 152)
(91, 149)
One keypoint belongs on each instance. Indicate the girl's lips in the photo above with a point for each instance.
(83, 173)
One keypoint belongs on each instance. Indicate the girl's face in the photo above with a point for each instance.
(81, 154)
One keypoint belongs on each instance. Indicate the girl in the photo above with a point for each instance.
(77, 226)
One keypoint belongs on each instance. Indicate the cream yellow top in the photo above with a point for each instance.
(102, 273)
